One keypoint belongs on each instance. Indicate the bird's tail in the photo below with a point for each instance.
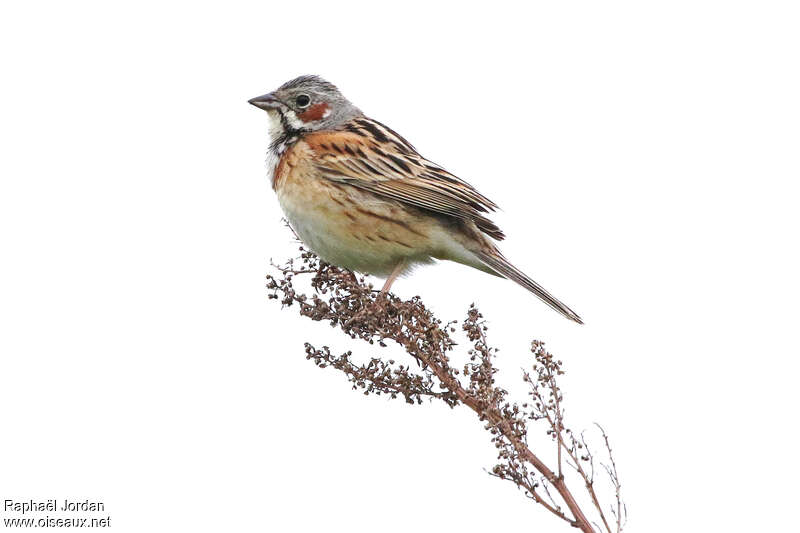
(500, 266)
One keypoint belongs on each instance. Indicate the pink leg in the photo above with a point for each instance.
(393, 276)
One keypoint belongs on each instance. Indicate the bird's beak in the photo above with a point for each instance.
(265, 101)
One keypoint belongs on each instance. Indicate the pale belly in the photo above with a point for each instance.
(356, 230)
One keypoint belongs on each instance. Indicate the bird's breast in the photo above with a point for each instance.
(346, 226)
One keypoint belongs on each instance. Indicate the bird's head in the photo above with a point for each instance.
(307, 103)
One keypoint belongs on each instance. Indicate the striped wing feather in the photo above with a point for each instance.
(368, 155)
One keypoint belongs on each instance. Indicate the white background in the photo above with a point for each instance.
(646, 159)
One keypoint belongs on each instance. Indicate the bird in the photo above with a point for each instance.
(362, 198)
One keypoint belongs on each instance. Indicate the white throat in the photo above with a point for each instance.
(274, 126)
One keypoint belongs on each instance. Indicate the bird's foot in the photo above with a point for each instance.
(376, 306)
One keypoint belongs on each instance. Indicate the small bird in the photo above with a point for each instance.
(362, 198)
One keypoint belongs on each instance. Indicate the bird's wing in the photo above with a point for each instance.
(368, 155)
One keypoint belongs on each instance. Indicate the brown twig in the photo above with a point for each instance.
(352, 306)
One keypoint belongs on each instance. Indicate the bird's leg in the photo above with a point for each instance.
(392, 277)
(380, 301)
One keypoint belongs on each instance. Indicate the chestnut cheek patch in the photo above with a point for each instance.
(315, 112)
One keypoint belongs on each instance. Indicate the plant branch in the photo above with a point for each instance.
(347, 303)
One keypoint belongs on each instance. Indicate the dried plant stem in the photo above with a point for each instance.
(579, 520)
(353, 307)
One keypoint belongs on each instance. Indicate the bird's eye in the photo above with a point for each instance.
(303, 100)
